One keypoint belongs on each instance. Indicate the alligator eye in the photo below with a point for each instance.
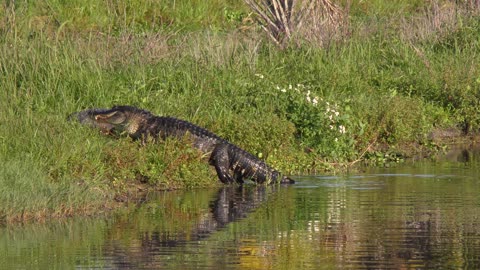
(99, 118)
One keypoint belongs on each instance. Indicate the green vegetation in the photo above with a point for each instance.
(404, 69)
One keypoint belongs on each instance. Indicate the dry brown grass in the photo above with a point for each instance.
(126, 48)
(325, 23)
(219, 49)
(438, 18)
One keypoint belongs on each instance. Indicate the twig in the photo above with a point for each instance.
(363, 153)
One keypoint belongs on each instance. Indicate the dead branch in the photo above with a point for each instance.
(285, 20)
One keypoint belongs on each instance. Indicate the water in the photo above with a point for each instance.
(423, 215)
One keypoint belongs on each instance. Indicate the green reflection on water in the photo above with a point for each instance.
(56, 245)
(417, 215)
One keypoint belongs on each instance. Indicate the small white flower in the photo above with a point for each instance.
(315, 101)
(259, 75)
(277, 87)
(308, 99)
(331, 127)
(290, 87)
(342, 129)
(336, 139)
(336, 113)
(284, 90)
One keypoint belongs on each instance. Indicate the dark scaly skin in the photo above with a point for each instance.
(232, 163)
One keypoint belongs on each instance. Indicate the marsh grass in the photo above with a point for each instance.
(389, 86)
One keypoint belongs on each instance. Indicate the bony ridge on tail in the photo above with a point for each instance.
(231, 163)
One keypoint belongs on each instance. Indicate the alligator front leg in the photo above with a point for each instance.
(220, 160)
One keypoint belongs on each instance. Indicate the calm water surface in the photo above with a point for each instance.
(421, 215)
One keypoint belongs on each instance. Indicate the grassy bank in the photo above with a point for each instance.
(398, 75)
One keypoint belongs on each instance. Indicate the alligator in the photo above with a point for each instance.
(231, 163)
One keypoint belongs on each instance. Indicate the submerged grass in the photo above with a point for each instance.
(303, 109)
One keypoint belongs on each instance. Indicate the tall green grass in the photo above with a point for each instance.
(388, 83)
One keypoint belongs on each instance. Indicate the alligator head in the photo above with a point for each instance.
(116, 120)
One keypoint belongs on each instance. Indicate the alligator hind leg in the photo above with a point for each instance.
(238, 177)
(219, 159)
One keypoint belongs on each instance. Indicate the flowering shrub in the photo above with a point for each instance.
(323, 126)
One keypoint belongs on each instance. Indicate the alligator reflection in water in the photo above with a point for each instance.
(231, 204)
(172, 231)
